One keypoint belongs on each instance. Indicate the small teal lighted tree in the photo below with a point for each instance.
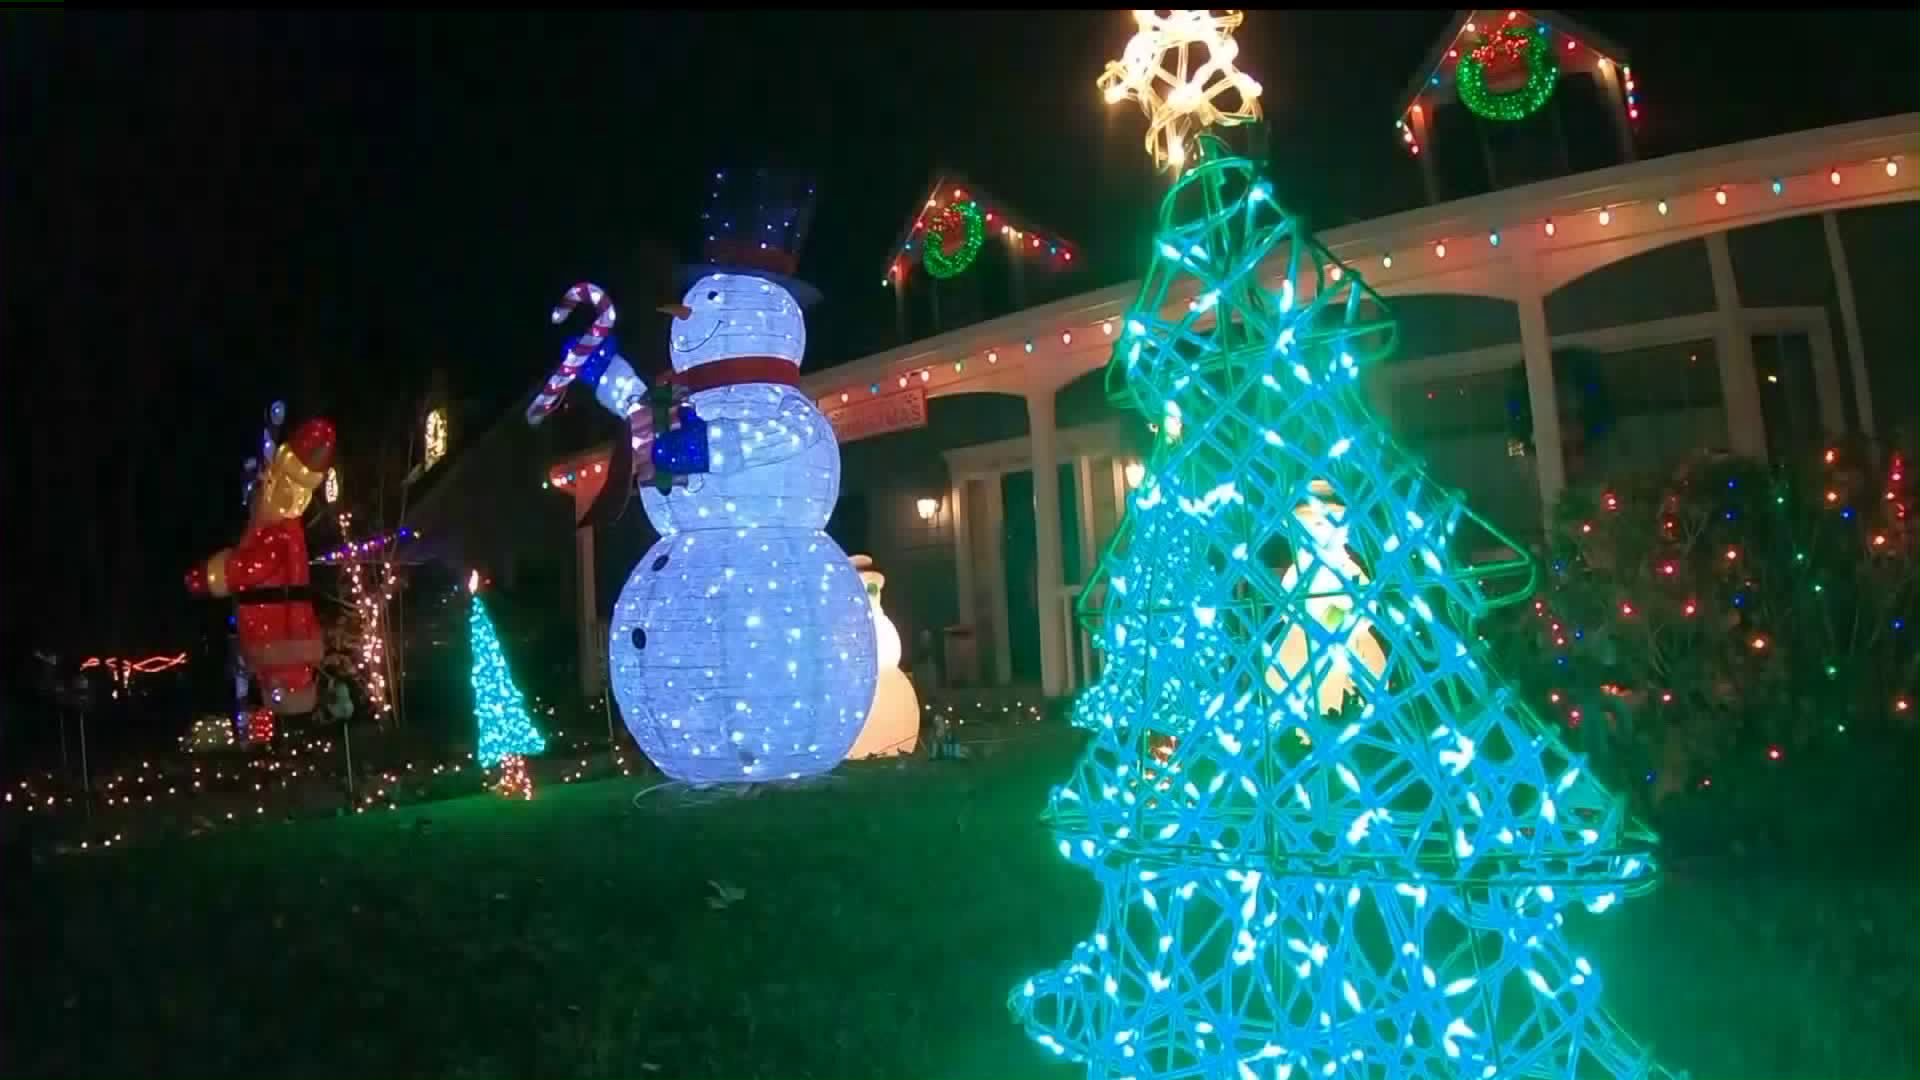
(1370, 883)
(507, 734)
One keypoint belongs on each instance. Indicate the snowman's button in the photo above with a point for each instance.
(639, 637)
(660, 564)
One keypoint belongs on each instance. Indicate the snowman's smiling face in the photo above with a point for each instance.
(730, 315)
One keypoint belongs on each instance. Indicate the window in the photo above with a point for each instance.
(1638, 408)
(1456, 405)
(436, 441)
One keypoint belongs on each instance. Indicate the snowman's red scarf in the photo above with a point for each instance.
(735, 371)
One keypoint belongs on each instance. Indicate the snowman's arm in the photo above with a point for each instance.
(620, 391)
(733, 445)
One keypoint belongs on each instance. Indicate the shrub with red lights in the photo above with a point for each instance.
(1723, 614)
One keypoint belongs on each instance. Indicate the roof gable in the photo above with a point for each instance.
(1004, 224)
(1435, 75)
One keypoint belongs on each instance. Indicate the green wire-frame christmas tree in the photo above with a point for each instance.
(1374, 891)
(507, 734)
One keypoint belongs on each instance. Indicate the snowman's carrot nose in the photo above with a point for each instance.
(678, 311)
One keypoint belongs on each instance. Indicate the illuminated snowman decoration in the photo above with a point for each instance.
(893, 722)
(1331, 604)
(742, 647)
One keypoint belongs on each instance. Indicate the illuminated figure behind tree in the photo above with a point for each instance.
(1330, 841)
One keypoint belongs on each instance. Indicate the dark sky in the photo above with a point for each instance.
(205, 212)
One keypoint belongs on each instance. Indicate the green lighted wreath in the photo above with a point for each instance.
(933, 253)
(1509, 45)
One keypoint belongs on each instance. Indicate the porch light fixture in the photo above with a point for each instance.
(927, 508)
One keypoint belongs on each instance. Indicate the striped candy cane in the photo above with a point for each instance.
(548, 399)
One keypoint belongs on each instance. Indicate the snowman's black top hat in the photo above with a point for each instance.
(755, 223)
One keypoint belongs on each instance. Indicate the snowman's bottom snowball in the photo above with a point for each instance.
(743, 658)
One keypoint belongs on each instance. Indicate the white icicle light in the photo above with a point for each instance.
(742, 647)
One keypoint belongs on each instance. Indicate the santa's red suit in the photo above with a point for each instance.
(266, 574)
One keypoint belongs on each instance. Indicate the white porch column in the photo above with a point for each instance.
(1046, 531)
(1536, 347)
(1739, 386)
(587, 616)
(959, 519)
(1849, 322)
(997, 579)
(1083, 493)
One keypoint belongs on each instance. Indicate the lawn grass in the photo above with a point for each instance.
(886, 912)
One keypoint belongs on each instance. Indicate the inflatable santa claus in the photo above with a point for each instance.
(266, 573)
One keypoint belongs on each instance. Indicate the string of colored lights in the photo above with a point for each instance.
(293, 781)
(1591, 225)
(369, 609)
(286, 779)
(1569, 229)
(360, 549)
(1568, 53)
(994, 220)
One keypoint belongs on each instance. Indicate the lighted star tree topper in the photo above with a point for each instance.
(1179, 67)
(507, 734)
(1374, 890)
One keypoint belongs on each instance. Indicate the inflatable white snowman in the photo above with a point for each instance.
(893, 722)
(742, 647)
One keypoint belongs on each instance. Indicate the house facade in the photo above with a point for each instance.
(1756, 297)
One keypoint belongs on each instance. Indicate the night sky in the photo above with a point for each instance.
(205, 212)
